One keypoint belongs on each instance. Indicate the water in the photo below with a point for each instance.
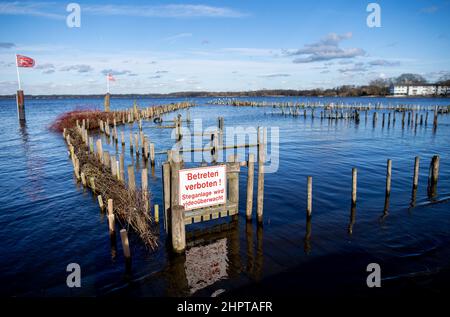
(48, 221)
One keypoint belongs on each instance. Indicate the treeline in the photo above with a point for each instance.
(378, 87)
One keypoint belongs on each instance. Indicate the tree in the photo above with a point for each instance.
(444, 80)
(410, 79)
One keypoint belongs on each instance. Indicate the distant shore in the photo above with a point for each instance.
(196, 94)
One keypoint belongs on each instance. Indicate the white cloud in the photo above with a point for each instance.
(326, 49)
(174, 38)
(165, 11)
(39, 9)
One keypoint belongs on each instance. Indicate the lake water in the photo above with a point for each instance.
(48, 221)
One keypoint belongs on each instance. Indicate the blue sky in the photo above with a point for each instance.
(166, 46)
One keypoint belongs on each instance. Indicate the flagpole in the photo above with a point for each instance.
(18, 74)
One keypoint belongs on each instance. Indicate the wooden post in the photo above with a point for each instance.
(152, 154)
(434, 170)
(250, 182)
(416, 172)
(100, 149)
(111, 224)
(110, 207)
(77, 168)
(106, 159)
(175, 166)
(388, 177)
(354, 184)
(113, 166)
(122, 136)
(156, 213)
(107, 102)
(144, 183)
(261, 159)
(125, 244)
(20, 105)
(178, 229)
(309, 196)
(91, 144)
(433, 177)
(100, 202)
(136, 141)
(435, 119)
(83, 179)
(131, 180)
(233, 180)
(92, 183)
(142, 142)
(122, 168)
(131, 141)
(166, 193)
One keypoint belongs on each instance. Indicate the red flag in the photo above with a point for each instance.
(24, 61)
(111, 78)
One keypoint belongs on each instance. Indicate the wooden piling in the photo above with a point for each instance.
(113, 165)
(131, 179)
(309, 196)
(83, 179)
(99, 149)
(434, 170)
(20, 100)
(388, 177)
(178, 229)
(125, 244)
(131, 141)
(416, 172)
(91, 144)
(144, 184)
(233, 179)
(152, 154)
(100, 202)
(250, 182)
(136, 143)
(156, 213)
(106, 159)
(354, 184)
(111, 224)
(121, 167)
(435, 119)
(110, 207)
(107, 102)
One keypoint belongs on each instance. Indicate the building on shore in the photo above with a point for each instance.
(419, 90)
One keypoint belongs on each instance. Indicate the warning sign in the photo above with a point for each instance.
(203, 186)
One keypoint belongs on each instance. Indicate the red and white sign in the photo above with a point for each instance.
(203, 186)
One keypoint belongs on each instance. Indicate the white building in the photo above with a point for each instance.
(399, 90)
(419, 90)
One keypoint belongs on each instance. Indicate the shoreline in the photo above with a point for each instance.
(206, 95)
